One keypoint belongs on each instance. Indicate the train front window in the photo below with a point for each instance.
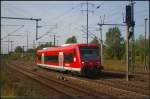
(89, 53)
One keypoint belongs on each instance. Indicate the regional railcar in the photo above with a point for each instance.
(81, 58)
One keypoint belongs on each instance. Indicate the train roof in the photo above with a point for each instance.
(64, 46)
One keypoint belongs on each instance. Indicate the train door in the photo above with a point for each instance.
(42, 58)
(61, 59)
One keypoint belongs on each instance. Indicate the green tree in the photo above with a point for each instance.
(71, 40)
(48, 44)
(31, 51)
(19, 49)
(115, 44)
(95, 41)
(140, 49)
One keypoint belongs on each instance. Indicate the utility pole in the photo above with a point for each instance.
(34, 44)
(54, 40)
(57, 42)
(11, 45)
(87, 22)
(100, 29)
(101, 40)
(87, 15)
(12, 41)
(130, 38)
(8, 44)
(27, 41)
(37, 29)
(145, 44)
(149, 51)
(127, 54)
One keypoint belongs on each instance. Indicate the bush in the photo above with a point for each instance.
(14, 56)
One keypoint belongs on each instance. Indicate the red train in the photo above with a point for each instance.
(81, 58)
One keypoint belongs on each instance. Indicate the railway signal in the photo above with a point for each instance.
(145, 44)
(130, 37)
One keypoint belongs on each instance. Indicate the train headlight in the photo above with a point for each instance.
(82, 62)
(74, 59)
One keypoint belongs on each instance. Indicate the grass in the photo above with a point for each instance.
(7, 91)
(114, 65)
(12, 87)
(119, 65)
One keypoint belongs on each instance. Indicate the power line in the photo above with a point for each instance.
(63, 14)
(47, 32)
(21, 12)
(11, 11)
(13, 31)
(32, 19)
(100, 5)
(76, 21)
(11, 25)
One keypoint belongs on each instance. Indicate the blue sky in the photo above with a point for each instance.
(68, 17)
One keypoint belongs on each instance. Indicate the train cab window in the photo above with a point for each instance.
(74, 52)
(51, 58)
(68, 58)
(39, 58)
(89, 53)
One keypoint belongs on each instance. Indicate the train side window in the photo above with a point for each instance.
(68, 58)
(39, 58)
(51, 58)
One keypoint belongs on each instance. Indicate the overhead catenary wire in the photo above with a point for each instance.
(10, 25)
(13, 32)
(76, 21)
(62, 15)
(21, 12)
(11, 11)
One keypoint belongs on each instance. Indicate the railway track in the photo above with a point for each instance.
(24, 83)
(112, 90)
(70, 90)
(108, 88)
(136, 86)
(122, 85)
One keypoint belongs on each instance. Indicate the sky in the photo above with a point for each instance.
(65, 19)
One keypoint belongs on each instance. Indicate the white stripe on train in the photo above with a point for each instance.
(60, 67)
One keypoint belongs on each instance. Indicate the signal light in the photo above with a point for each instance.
(128, 14)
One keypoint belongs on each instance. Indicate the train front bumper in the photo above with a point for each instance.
(91, 71)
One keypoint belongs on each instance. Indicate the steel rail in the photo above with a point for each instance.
(131, 92)
(64, 84)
